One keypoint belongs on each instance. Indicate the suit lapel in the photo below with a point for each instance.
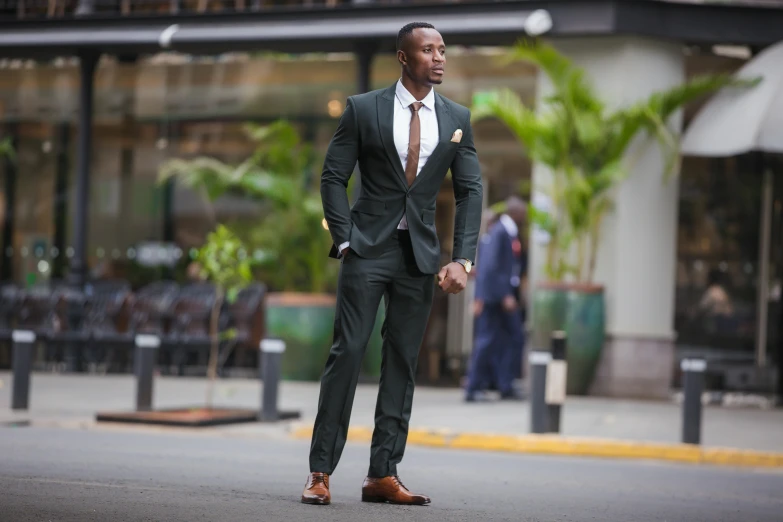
(444, 120)
(386, 125)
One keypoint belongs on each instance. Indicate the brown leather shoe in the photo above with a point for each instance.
(391, 490)
(317, 489)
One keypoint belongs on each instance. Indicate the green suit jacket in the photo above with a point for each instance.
(365, 135)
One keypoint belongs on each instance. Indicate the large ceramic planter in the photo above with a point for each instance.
(306, 323)
(579, 311)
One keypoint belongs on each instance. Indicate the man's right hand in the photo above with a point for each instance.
(345, 251)
(509, 303)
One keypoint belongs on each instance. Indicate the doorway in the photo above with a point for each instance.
(730, 271)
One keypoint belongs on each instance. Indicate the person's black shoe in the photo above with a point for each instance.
(514, 395)
(476, 397)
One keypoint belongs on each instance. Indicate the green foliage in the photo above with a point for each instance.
(585, 146)
(289, 243)
(7, 149)
(224, 261)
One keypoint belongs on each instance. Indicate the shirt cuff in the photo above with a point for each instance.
(341, 248)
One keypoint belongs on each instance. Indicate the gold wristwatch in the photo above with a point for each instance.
(466, 263)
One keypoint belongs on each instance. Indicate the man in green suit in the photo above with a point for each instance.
(405, 139)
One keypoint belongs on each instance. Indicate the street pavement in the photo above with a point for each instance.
(120, 473)
(57, 400)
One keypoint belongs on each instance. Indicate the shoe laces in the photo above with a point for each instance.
(397, 481)
(319, 478)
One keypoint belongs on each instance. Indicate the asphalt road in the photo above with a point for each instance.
(53, 474)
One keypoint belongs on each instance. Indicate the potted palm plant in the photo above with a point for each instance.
(585, 146)
(289, 243)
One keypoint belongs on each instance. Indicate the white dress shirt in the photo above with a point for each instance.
(402, 128)
(508, 223)
(512, 230)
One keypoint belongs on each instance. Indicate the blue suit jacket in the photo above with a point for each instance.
(497, 264)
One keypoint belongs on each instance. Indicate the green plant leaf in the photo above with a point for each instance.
(232, 294)
(7, 149)
(230, 333)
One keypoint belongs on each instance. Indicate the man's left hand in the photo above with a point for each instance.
(452, 278)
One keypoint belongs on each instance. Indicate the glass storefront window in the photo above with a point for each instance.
(718, 254)
(718, 264)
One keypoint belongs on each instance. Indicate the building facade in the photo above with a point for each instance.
(188, 92)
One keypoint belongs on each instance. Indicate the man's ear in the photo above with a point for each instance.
(402, 58)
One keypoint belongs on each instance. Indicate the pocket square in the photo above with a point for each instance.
(457, 136)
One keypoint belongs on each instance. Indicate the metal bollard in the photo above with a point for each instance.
(539, 415)
(692, 388)
(24, 343)
(145, 360)
(270, 361)
(556, 373)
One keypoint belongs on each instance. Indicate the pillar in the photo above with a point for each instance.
(364, 55)
(9, 196)
(365, 52)
(78, 272)
(60, 261)
(636, 259)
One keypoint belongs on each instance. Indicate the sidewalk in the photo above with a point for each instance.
(590, 426)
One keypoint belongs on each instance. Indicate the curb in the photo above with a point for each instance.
(572, 446)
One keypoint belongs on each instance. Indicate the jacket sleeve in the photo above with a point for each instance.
(495, 268)
(468, 195)
(339, 163)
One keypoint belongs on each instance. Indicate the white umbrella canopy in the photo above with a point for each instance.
(741, 119)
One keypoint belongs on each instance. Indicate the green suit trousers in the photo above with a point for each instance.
(408, 293)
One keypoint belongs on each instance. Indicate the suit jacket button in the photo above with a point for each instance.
(408, 195)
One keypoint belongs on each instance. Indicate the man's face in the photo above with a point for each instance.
(424, 56)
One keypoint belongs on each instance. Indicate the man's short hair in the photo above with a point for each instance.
(407, 30)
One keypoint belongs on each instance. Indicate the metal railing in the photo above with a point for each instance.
(111, 316)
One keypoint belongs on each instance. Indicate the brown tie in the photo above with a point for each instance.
(412, 163)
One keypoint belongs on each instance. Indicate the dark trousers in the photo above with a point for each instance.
(408, 297)
(497, 350)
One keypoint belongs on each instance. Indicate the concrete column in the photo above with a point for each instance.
(11, 169)
(78, 273)
(636, 260)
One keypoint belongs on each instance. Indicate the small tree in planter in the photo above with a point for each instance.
(585, 146)
(223, 261)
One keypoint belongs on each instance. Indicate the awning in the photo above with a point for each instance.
(320, 28)
(333, 31)
(485, 26)
(740, 120)
(60, 41)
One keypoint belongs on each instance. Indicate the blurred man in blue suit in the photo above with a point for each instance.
(499, 339)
